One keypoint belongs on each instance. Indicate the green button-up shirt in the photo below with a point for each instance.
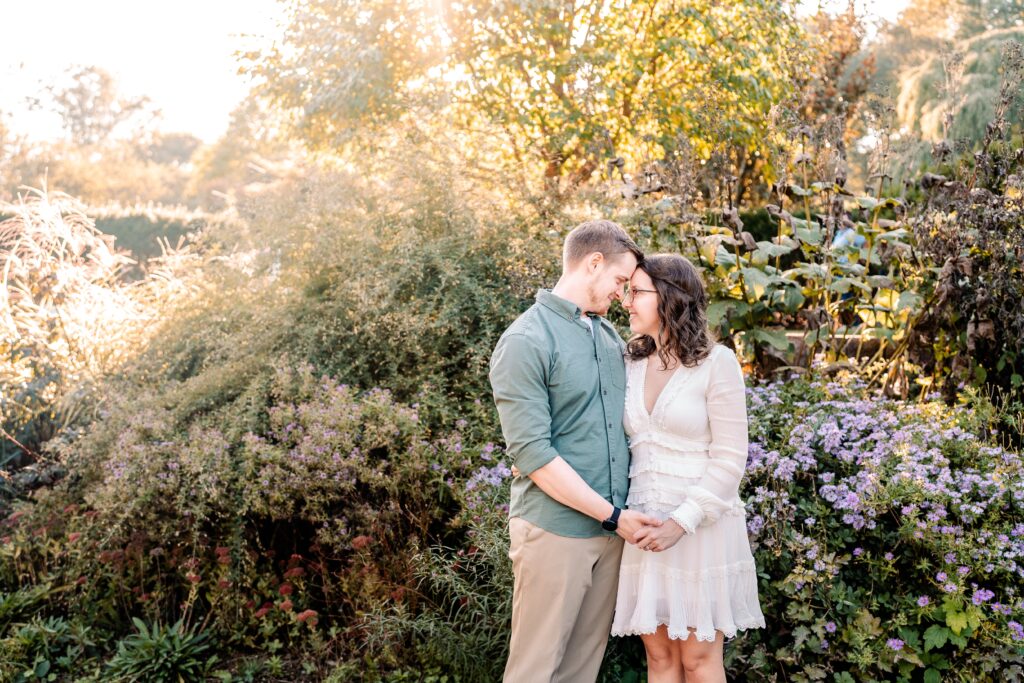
(560, 391)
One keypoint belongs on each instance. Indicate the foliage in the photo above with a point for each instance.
(569, 87)
(964, 86)
(67, 316)
(163, 654)
(888, 539)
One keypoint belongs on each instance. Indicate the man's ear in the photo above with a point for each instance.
(594, 260)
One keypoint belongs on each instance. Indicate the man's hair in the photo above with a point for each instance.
(604, 236)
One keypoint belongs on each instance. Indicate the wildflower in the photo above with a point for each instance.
(74, 536)
(982, 595)
(285, 589)
(857, 552)
(286, 605)
(941, 577)
(923, 601)
(830, 627)
(1016, 630)
(888, 557)
(894, 644)
(193, 577)
(293, 572)
(360, 542)
(307, 615)
(949, 587)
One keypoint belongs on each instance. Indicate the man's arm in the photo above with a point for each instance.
(518, 377)
(560, 481)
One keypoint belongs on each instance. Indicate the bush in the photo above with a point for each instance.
(889, 538)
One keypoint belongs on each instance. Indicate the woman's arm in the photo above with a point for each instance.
(727, 414)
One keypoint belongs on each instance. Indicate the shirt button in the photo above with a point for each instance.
(604, 391)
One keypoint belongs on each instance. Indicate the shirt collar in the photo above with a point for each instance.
(562, 307)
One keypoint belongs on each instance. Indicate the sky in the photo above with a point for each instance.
(178, 54)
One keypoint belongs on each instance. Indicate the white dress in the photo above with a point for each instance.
(688, 457)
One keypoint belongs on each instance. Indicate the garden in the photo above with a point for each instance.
(247, 434)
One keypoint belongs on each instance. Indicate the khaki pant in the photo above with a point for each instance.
(562, 604)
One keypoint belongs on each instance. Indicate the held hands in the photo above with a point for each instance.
(632, 523)
(657, 538)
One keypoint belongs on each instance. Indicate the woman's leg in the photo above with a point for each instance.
(703, 661)
(664, 663)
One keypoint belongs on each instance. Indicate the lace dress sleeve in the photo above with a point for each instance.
(718, 488)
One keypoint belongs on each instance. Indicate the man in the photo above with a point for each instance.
(559, 384)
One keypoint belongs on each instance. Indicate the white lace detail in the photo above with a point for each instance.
(685, 468)
(728, 632)
(669, 441)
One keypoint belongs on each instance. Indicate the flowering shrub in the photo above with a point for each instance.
(889, 537)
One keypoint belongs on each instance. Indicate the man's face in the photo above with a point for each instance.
(608, 280)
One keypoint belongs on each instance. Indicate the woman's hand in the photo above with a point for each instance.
(658, 538)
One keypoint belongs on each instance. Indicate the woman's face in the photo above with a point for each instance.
(642, 304)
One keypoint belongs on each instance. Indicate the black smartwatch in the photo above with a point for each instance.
(612, 523)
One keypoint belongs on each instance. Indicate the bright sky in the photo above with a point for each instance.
(179, 54)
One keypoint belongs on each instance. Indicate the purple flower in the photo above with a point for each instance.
(1016, 630)
(894, 644)
(888, 557)
(982, 595)
(857, 552)
(824, 644)
(941, 577)
(923, 601)
(830, 627)
(949, 587)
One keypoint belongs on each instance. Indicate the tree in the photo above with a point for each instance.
(91, 108)
(570, 84)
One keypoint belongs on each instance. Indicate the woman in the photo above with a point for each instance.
(691, 582)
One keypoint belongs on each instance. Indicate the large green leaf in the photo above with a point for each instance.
(776, 338)
(843, 285)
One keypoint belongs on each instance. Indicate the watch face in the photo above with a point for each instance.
(609, 525)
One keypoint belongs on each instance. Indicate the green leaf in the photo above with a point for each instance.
(794, 299)
(756, 280)
(843, 284)
(932, 676)
(895, 235)
(957, 621)
(725, 257)
(908, 299)
(867, 202)
(801, 192)
(773, 249)
(776, 338)
(808, 235)
(725, 309)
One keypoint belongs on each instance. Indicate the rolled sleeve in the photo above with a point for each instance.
(519, 370)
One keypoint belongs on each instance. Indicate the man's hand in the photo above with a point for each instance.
(658, 538)
(632, 522)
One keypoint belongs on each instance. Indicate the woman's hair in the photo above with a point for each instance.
(682, 311)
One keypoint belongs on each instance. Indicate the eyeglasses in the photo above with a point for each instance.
(631, 294)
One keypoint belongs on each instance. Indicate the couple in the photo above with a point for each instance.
(568, 392)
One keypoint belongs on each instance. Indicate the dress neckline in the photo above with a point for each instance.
(649, 414)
